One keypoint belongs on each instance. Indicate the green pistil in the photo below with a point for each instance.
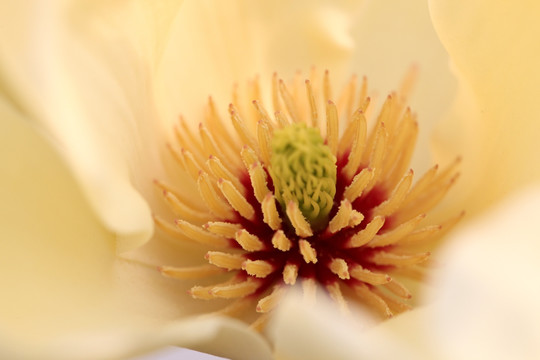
(303, 170)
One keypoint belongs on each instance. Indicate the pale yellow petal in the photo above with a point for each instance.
(66, 294)
(392, 36)
(82, 72)
(495, 52)
(485, 299)
(319, 331)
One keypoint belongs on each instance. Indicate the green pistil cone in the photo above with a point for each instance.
(303, 170)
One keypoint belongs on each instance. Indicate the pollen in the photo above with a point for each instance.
(300, 192)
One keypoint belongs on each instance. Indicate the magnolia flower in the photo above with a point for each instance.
(103, 84)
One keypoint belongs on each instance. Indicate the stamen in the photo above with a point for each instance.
(248, 241)
(343, 217)
(377, 154)
(197, 206)
(312, 106)
(357, 132)
(269, 302)
(332, 129)
(199, 235)
(288, 101)
(225, 229)
(270, 213)
(358, 184)
(290, 274)
(398, 195)
(192, 166)
(366, 235)
(211, 198)
(194, 272)
(308, 252)
(257, 176)
(258, 268)
(396, 234)
(340, 268)
(221, 172)
(298, 221)
(242, 289)
(398, 289)
(225, 260)
(248, 156)
(364, 275)
(388, 258)
(264, 136)
(182, 210)
(280, 241)
(241, 129)
(236, 200)
(373, 299)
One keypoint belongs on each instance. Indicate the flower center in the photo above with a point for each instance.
(286, 199)
(303, 170)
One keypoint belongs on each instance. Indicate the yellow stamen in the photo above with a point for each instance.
(340, 268)
(225, 260)
(225, 229)
(236, 200)
(298, 221)
(369, 277)
(258, 268)
(248, 241)
(364, 236)
(280, 241)
(269, 302)
(270, 213)
(236, 290)
(200, 235)
(290, 274)
(194, 272)
(308, 252)
(396, 234)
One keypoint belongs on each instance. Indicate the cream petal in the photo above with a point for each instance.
(307, 331)
(66, 294)
(392, 36)
(216, 44)
(485, 300)
(495, 51)
(82, 72)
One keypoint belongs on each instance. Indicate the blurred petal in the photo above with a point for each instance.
(216, 44)
(391, 36)
(486, 297)
(306, 331)
(66, 294)
(495, 50)
(82, 72)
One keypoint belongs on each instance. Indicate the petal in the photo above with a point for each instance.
(216, 44)
(495, 51)
(319, 331)
(67, 295)
(82, 71)
(392, 36)
(486, 298)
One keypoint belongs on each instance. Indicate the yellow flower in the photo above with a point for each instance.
(104, 83)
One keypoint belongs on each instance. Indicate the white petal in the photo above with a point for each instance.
(487, 295)
(495, 51)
